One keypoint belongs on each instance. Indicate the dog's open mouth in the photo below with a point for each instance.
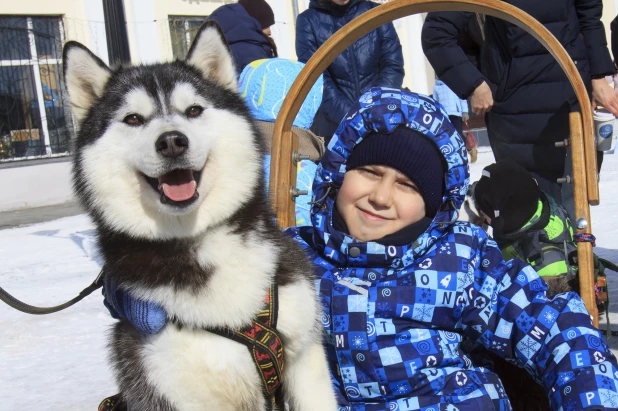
(178, 187)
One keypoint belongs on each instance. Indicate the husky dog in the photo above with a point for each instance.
(168, 163)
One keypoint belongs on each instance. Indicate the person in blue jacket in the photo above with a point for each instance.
(374, 60)
(246, 26)
(402, 282)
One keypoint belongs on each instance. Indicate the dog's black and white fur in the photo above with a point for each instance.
(208, 259)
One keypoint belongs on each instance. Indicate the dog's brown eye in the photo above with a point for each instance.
(133, 120)
(194, 111)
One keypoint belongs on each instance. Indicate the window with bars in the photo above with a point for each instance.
(34, 109)
(182, 33)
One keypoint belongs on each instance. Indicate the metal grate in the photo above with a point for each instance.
(35, 117)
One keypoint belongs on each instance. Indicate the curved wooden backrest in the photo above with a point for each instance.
(283, 169)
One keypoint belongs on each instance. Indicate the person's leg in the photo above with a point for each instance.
(458, 124)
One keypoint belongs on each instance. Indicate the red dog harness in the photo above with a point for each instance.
(264, 344)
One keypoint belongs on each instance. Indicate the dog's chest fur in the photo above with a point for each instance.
(197, 369)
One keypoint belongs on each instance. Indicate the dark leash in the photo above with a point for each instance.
(31, 309)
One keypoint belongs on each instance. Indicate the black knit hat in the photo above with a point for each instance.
(410, 152)
(259, 10)
(508, 194)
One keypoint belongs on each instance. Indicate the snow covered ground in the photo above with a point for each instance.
(58, 362)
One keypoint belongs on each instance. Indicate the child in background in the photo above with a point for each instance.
(457, 110)
(402, 282)
(527, 223)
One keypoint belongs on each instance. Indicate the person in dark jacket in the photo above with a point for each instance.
(374, 60)
(521, 88)
(246, 26)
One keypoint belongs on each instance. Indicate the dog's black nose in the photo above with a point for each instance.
(172, 144)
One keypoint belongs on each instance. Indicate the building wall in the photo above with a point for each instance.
(83, 19)
(148, 27)
(284, 30)
(27, 186)
(610, 10)
(149, 34)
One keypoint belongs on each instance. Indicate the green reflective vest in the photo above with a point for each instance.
(544, 242)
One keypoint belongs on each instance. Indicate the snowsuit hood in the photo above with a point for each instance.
(381, 110)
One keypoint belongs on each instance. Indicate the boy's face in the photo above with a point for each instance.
(375, 201)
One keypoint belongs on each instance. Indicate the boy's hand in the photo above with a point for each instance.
(482, 99)
(603, 94)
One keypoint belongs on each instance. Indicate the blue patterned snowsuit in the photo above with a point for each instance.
(394, 316)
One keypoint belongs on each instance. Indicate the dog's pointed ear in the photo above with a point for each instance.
(211, 55)
(85, 76)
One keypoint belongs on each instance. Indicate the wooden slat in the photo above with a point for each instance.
(582, 210)
(291, 211)
(601, 281)
(283, 183)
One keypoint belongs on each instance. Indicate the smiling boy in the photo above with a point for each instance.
(402, 282)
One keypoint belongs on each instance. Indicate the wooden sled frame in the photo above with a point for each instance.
(582, 142)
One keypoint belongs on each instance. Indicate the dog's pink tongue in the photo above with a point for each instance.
(178, 185)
